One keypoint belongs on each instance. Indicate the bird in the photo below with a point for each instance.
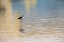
(20, 26)
(21, 17)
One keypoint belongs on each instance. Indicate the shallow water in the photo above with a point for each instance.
(52, 30)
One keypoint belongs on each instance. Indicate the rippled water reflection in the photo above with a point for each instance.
(44, 30)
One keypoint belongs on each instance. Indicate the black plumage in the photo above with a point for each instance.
(21, 17)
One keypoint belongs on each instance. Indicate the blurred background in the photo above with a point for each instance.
(43, 21)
